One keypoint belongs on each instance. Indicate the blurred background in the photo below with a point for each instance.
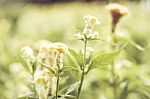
(25, 22)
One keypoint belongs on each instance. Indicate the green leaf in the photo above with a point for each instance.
(107, 58)
(30, 95)
(73, 59)
(66, 68)
(76, 55)
(70, 89)
(46, 66)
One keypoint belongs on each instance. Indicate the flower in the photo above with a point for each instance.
(93, 35)
(41, 82)
(60, 47)
(79, 36)
(91, 21)
(40, 78)
(117, 11)
(27, 52)
(28, 56)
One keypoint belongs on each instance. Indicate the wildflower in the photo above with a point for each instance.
(59, 50)
(117, 11)
(27, 52)
(93, 35)
(79, 36)
(62, 48)
(91, 21)
(41, 83)
(29, 57)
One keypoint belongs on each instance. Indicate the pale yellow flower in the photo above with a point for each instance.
(91, 21)
(115, 8)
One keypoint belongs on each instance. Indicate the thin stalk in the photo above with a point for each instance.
(83, 66)
(113, 74)
(57, 85)
(113, 82)
(34, 87)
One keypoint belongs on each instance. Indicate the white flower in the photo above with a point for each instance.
(27, 52)
(79, 36)
(117, 9)
(91, 21)
(93, 35)
(87, 30)
(40, 78)
(41, 82)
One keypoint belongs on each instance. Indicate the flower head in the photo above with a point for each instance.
(91, 21)
(27, 52)
(40, 78)
(117, 11)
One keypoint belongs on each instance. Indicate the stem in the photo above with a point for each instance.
(113, 74)
(34, 87)
(57, 85)
(83, 66)
(113, 82)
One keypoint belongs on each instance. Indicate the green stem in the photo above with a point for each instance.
(113, 74)
(113, 80)
(57, 85)
(83, 66)
(34, 87)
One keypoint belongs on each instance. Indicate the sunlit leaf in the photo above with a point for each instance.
(107, 58)
(70, 89)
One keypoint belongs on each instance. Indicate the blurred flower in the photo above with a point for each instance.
(41, 82)
(91, 21)
(93, 35)
(117, 11)
(79, 36)
(27, 52)
(60, 47)
(28, 56)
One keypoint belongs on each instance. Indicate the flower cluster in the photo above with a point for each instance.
(52, 56)
(88, 31)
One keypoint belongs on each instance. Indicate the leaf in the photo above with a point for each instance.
(46, 66)
(107, 58)
(70, 89)
(66, 68)
(29, 95)
(76, 55)
(73, 59)
(139, 47)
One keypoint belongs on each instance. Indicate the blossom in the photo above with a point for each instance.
(79, 36)
(28, 56)
(41, 82)
(91, 21)
(27, 52)
(117, 11)
(93, 35)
